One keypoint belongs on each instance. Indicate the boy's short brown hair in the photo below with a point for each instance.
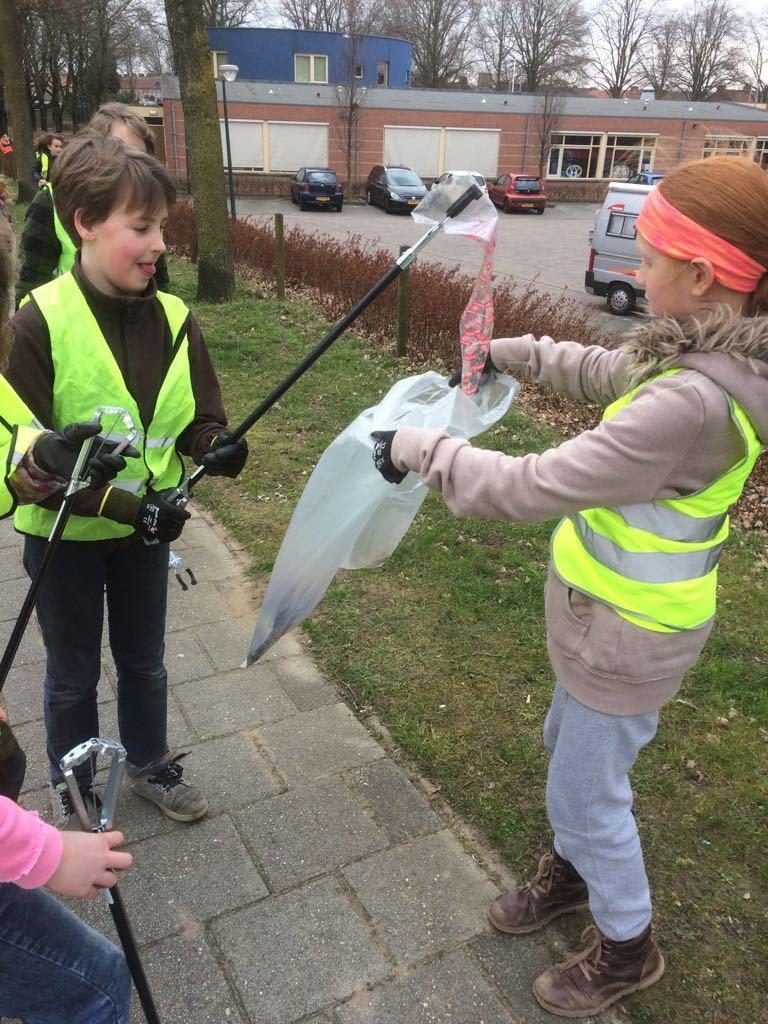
(110, 114)
(97, 175)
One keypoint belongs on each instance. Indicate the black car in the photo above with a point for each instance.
(394, 188)
(317, 186)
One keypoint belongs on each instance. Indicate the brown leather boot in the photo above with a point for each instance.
(556, 888)
(602, 973)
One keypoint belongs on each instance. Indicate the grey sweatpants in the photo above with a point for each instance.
(589, 801)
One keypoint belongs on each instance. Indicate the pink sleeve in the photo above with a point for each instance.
(30, 850)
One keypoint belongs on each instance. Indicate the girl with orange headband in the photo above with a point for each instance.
(644, 500)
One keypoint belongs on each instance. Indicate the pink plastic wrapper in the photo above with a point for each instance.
(477, 221)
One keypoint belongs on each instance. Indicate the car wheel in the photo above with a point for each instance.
(540, 210)
(293, 197)
(387, 207)
(368, 199)
(339, 207)
(507, 207)
(621, 299)
(302, 207)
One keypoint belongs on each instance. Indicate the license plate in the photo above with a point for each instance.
(414, 202)
(527, 205)
(322, 199)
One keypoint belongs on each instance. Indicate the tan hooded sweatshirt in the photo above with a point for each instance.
(676, 436)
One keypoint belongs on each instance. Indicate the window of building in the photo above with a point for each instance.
(382, 72)
(574, 156)
(310, 67)
(622, 225)
(625, 155)
(218, 58)
(761, 152)
(726, 145)
(359, 71)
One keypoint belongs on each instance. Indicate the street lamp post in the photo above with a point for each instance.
(228, 73)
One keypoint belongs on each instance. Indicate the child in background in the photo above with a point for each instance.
(47, 147)
(45, 249)
(103, 335)
(630, 599)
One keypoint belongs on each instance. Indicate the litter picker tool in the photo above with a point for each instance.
(183, 493)
(77, 482)
(89, 752)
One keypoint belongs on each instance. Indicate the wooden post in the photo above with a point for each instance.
(403, 319)
(279, 257)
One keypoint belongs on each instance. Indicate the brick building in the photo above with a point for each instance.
(275, 128)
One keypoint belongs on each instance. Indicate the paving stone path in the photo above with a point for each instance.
(323, 886)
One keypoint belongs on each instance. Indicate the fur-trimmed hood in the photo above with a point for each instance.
(732, 350)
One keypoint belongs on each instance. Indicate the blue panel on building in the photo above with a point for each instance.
(280, 55)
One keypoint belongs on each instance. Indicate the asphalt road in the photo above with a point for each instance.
(550, 250)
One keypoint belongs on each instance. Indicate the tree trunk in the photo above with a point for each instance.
(16, 92)
(215, 271)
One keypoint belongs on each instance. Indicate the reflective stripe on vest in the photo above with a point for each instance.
(86, 377)
(14, 415)
(656, 562)
(68, 247)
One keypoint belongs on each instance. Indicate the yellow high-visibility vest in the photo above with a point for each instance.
(655, 563)
(86, 377)
(18, 429)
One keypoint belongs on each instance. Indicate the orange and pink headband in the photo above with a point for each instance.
(681, 238)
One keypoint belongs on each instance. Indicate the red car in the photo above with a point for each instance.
(518, 192)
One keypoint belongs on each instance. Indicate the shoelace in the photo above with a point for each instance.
(588, 960)
(169, 775)
(541, 882)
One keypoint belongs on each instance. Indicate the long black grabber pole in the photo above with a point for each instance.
(88, 752)
(182, 494)
(75, 485)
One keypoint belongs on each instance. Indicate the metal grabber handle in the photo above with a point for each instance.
(88, 752)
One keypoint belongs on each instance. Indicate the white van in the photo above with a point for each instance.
(613, 253)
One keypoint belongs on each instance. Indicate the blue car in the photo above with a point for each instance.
(317, 186)
(645, 178)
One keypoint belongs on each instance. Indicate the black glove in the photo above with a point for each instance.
(226, 458)
(488, 368)
(57, 453)
(158, 519)
(382, 456)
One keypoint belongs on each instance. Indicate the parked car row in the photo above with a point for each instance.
(396, 188)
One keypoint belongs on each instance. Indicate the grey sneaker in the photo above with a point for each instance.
(165, 788)
(64, 817)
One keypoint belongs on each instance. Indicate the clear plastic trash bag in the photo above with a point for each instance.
(349, 517)
(477, 220)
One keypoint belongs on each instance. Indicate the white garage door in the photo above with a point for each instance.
(246, 142)
(469, 149)
(293, 145)
(418, 148)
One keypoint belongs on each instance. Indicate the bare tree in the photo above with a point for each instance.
(661, 55)
(229, 13)
(215, 270)
(618, 31)
(495, 43)
(548, 111)
(709, 57)
(548, 38)
(314, 15)
(756, 58)
(440, 32)
(16, 91)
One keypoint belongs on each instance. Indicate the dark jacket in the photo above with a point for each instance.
(136, 330)
(40, 249)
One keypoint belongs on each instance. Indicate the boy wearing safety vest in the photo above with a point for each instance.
(644, 496)
(102, 335)
(46, 249)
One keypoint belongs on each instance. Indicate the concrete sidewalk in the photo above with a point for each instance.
(324, 885)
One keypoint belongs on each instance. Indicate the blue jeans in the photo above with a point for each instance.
(589, 802)
(70, 610)
(54, 969)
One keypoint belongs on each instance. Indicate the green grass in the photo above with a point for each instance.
(446, 642)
